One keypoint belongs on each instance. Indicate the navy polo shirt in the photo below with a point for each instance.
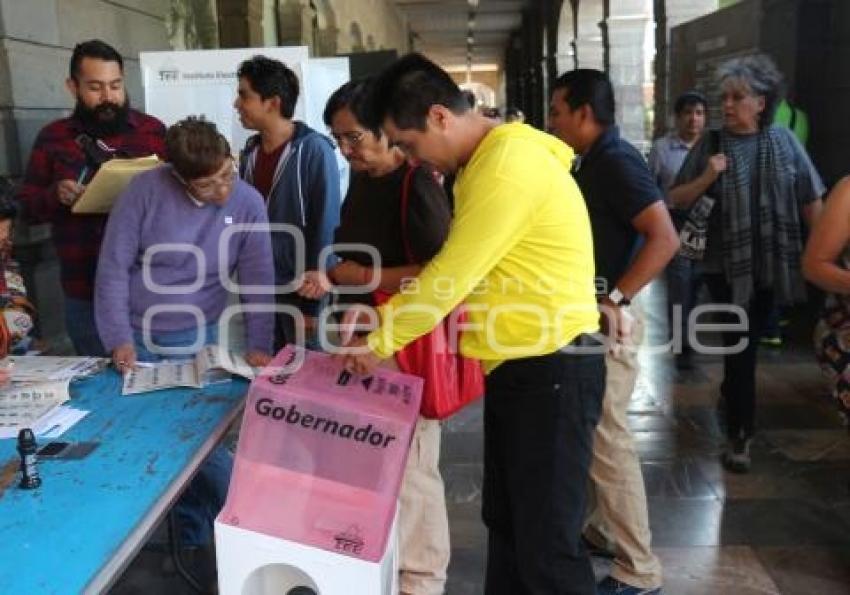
(617, 185)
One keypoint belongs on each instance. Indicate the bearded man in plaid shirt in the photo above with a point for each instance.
(65, 157)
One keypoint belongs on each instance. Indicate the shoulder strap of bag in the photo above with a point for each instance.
(405, 201)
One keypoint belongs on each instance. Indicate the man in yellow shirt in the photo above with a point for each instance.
(520, 256)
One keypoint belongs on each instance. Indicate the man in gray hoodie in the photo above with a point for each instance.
(294, 168)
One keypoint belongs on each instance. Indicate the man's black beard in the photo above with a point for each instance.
(98, 123)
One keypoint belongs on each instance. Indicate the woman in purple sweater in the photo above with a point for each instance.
(161, 277)
(161, 272)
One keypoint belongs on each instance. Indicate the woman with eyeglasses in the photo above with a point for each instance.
(161, 255)
(400, 211)
(159, 292)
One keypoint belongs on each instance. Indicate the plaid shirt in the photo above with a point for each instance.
(56, 156)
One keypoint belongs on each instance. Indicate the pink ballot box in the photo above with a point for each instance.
(321, 454)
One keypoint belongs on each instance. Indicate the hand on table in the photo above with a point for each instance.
(124, 357)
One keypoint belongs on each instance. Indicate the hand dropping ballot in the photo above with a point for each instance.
(316, 478)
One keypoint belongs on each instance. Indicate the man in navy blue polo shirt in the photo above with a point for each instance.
(634, 240)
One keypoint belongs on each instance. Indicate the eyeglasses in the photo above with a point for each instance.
(350, 139)
(211, 184)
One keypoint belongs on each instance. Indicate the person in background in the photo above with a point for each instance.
(492, 113)
(826, 263)
(18, 314)
(402, 212)
(665, 159)
(752, 185)
(514, 114)
(66, 155)
(190, 201)
(294, 169)
(633, 240)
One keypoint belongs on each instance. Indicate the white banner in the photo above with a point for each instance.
(203, 82)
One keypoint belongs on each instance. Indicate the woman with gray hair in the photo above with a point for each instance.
(747, 186)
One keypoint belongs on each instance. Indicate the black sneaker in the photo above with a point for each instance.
(736, 458)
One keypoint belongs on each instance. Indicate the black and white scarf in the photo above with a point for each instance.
(760, 215)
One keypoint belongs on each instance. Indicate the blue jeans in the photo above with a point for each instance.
(204, 498)
(81, 327)
(684, 279)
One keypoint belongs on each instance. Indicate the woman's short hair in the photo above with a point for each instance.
(354, 96)
(759, 71)
(8, 204)
(196, 148)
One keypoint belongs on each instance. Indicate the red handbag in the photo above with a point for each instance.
(452, 381)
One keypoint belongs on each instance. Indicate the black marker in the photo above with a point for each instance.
(26, 448)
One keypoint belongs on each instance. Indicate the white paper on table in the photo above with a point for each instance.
(58, 421)
(22, 404)
(161, 376)
(213, 357)
(52, 424)
(32, 368)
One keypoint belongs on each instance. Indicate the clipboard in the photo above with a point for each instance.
(110, 181)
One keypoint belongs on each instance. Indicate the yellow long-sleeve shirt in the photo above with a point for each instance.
(519, 255)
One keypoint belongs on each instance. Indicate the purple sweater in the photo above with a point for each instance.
(155, 209)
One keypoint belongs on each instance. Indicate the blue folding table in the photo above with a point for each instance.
(83, 526)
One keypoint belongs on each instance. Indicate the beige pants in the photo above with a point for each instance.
(618, 512)
(423, 524)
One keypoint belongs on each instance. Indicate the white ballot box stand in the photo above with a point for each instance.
(312, 504)
(254, 564)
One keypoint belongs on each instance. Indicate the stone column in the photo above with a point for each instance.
(240, 23)
(295, 24)
(589, 50)
(629, 60)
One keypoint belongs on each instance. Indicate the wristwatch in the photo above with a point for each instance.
(618, 298)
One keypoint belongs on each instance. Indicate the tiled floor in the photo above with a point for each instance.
(784, 528)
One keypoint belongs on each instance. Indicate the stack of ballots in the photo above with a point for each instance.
(37, 390)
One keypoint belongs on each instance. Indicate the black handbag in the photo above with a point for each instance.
(693, 236)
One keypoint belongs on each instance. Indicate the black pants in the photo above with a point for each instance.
(539, 417)
(739, 369)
